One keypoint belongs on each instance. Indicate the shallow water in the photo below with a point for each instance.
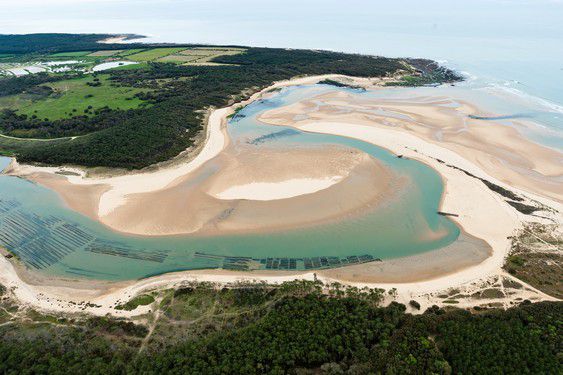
(36, 226)
(536, 122)
(4, 162)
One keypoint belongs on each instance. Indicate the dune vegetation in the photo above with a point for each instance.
(299, 327)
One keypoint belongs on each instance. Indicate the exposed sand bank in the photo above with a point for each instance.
(81, 198)
(486, 218)
(188, 206)
(499, 150)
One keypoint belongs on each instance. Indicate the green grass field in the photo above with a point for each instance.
(72, 97)
(154, 54)
(200, 55)
(140, 66)
(71, 54)
(105, 53)
(133, 51)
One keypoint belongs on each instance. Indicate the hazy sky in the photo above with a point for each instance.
(352, 25)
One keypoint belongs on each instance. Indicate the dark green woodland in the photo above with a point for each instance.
(293, 329)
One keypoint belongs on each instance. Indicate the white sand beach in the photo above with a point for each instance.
(266, 191)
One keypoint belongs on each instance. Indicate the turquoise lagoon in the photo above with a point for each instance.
(47, 236)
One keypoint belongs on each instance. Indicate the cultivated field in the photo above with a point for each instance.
(200, 55)
(154, 54)
(105, 53)
(71, 54)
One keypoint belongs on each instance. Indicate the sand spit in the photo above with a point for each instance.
(122, 39)
(488, 222)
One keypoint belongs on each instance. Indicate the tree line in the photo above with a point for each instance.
(304, 331)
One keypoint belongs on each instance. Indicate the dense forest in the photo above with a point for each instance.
(272, 331)
(136, 138)
(54, 42)
(27, 83)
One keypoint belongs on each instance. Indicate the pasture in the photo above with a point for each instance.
(74, 97)
(154, 54)
(200, 55)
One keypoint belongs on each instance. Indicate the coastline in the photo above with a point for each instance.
(460, 193)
